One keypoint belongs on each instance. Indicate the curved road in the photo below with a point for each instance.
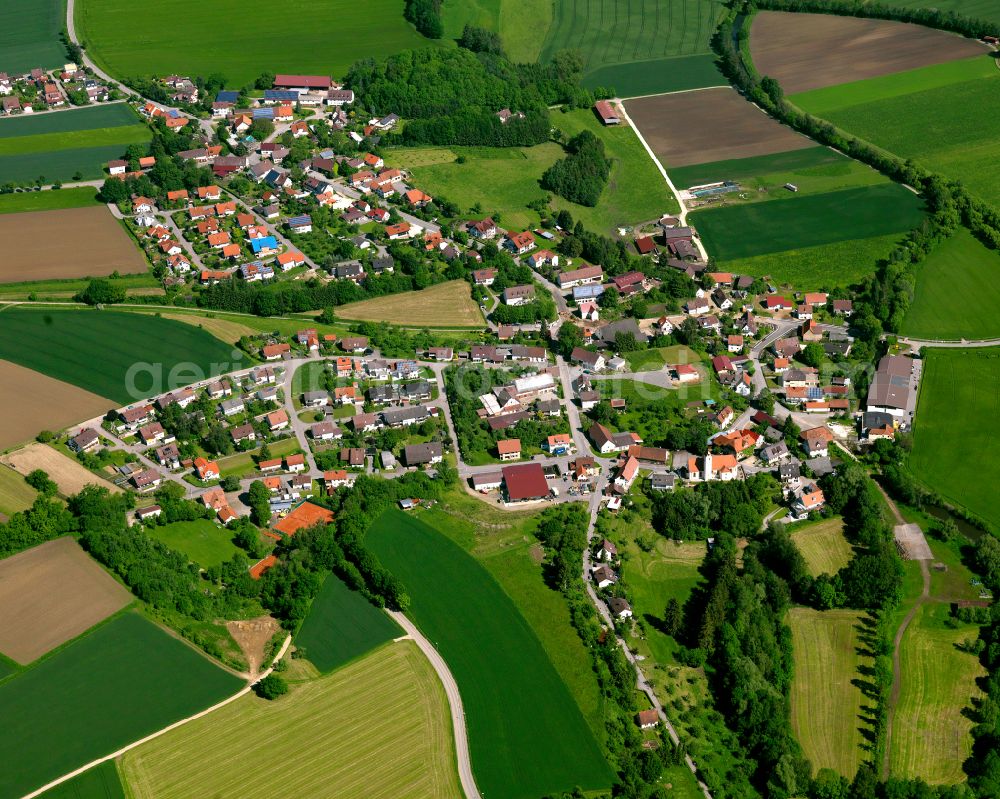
(242, 692)
(454, 703)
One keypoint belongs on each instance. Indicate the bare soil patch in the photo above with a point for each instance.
(252, 635)
(69, 475)
(809, 51)
(31, 401)
(51, 594)
(72, 242)
(712, 125)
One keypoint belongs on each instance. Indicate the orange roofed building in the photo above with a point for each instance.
(305, 515)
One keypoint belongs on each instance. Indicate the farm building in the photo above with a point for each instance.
(606, 112)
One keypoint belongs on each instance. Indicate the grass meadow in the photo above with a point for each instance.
(29, 34)
(744, 231)
(443, 305)
(826, 704)
(828, 265)
(503, 180)
(628, 45)
(823, 546)
(338, 33)
(25, 202)
(96, 350)
(957, 294)
(959, 393)
(378, 728)
(203, 541)
(930, 733)
(15, 494)
(342, 625)
(942, 128)
(527, 736)
(112, 115)
(100, 782)
(118, 683)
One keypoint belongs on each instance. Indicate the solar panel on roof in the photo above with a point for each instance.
(227, 97)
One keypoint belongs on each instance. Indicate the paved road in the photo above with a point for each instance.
(917, 343)
(454, 703)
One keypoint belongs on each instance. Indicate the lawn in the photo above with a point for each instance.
(959, 389)
(503, 180)
(443, 305)
(527, 736)
(652, 359)
(119, 683)
(338, 34)
(100, 782)
(203, 541)
(15, 494)
(122, 356)
(825, 266)
(47, 200)
(957, 293)
(629, 45)
(242, 464)
(826, 705)
(342, 625)
(377, 728)
(744, 231)
(820, 102)
(29, 34)
(940, 128)
(823, 546)
(930, 733)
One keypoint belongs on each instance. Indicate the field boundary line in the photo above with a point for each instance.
(463, 760)
(114, 755)
(679, 91)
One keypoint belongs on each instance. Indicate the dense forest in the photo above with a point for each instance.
(581, 176)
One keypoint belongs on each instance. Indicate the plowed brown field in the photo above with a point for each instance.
(809, 51)
(31, 401)
(73, 242)
(711, 125)
(50, 594)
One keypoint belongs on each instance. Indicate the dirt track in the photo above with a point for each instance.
(50, 594)
(809, 51)
(74, 242)
(711, 125)
(31, 401)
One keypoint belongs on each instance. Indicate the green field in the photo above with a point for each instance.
(826, 705)
(114, 115)
(930, 732)
(100, 782)
(338, 33)
(821, 102)
(504, 180)
(670, 570)
(527, 736)
(827, 265)
(121, 356)
(47, 200)
(629, 46)
(377, 728)
(941, 128)
(15, 494)
(61, 166)
(116, 684)
(957, 294)
(203, 541)
(74, 140)
(959, 394)
(744, 231)
(29, 34)
(341, 626)
(745, 169)
(823, 546)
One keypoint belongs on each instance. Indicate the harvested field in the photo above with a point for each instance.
(378, 728)
(73, 242)
(50, 594)
(252, 636)
(15, 494)
(31, 402)
(808, 51)
(69, 475)
(444, 305)
(710, 125)
(823, 546)
(223, 329)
